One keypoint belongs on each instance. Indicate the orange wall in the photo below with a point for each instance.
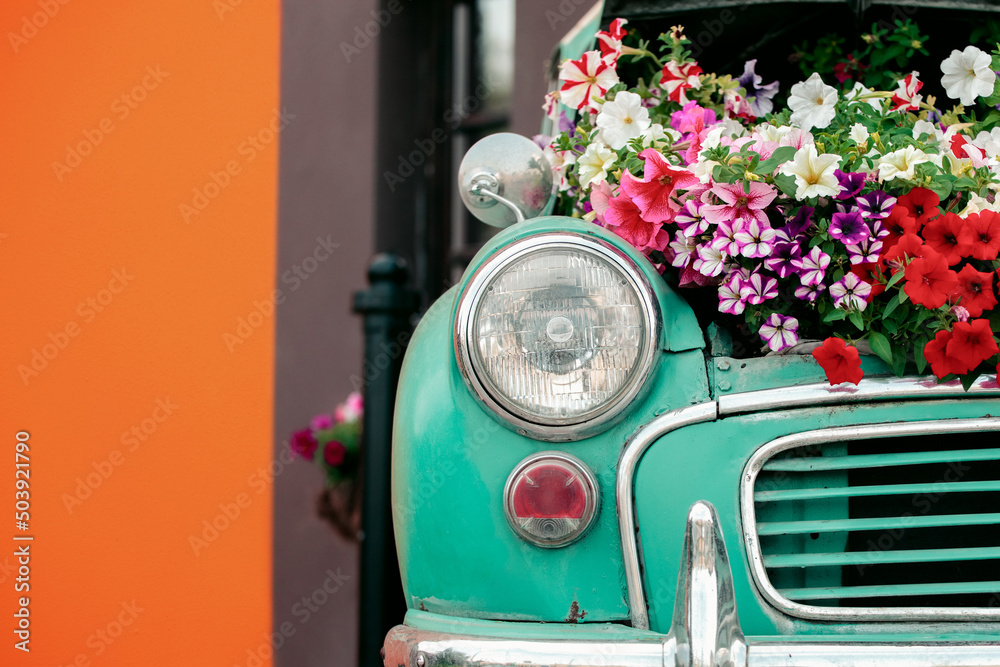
(137, 303)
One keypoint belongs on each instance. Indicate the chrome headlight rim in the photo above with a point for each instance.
(556, 429)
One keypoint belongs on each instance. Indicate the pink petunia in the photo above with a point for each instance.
(653, 193)
(738, 204)
(758, 289)
(624, 218)
(756, 239)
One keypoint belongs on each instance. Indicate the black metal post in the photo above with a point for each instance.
(387, 306)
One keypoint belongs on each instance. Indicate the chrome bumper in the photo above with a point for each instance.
(705, 633)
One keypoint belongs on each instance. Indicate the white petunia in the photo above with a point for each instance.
(769, 132)
(657, 132)
(561, 162)
(978, 204)
(814, 173)
(859, 133)
(968, 75)
(622, 119)
(900, 164)
(935, 136)
(812, 103)
(859, 90)
(593, 165)
(989, 142)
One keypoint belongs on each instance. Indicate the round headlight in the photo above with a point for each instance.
(556, 334)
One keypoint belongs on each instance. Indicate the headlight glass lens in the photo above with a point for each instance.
(558, 334)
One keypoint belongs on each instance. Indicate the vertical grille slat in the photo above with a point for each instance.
(883, 521)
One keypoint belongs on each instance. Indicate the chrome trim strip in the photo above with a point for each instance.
(838, 434)
(624, 492)
(874, 655)
(555, 430)
(878, 389)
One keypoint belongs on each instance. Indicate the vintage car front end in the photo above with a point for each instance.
(582, 475)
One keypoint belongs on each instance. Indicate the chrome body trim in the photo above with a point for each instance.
(598, 419)
(590, 485)
(624, 496)
(839, 434)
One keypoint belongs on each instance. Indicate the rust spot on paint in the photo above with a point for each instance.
(422, 607)
(575, 613)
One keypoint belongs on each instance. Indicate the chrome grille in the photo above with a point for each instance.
(889, 521)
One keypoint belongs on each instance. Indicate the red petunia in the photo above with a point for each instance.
(660, 179)
(870, 273)
(950, 236)
(929, 281)
(974, 291)
(840, 361)
(972, 342)
(922, 204)
(908, 247)
(625, 220)
(984, 233)
(898, 223)
(942, 363)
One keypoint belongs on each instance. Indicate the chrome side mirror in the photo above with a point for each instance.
(505, 178)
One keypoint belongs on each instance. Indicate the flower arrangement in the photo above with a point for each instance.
(332, 442)
(844, 214)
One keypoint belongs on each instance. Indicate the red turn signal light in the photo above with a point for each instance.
(551, 499)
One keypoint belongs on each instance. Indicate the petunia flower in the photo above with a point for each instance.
(600, 195)
(585, 80)
(871, 273)
(321, 422)
(859, 134)
(865, 251)
(610, 41)
(972, 342)
(922, 204)
(800, 222)
(303, 443)
(906, 98)
(622, 119)
(593, 165)
(779, 332)
(709, 261)
(839, 361)
(334, 453)
(901, 163)
(812, 103)
(739, 205)
(690, 220)
(660, 179)
(949, 235)
(814, 173)
(850, 293)
(898, 222)
(678, 78)
(974, 291)
(959, 313)
(849, 228)
(876, 205)
(784, 259)
(725, 237)
(758, 96)
(809, 292)
(851, 183)
(983, 235)
(929, 281)
(936, 353)
(659, 242)
(624, 218)
(896, 257)
(812, 267)
(730, 299)
(968, 74)
(684, 248)
(756, 239)
(758, 289)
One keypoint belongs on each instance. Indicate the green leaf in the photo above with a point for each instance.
(891, 326)
(779, 156)
(835, 316)
(855, 317)
(880, 346)
(918, 355)
(965, 183)
(893, 303)
(786, 183)
(898, 362)
(940, 186)
(895, 279)
(994, 98)
(969, 379)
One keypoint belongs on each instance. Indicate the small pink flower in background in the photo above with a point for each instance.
(678, 78)
(905, 98)
(779, 332)
(600, 195)
(321, 422)
(961, 314)
(585, 79)
(303, 443)
(739, 205)
(850, 292)
(350, 410)
(334, 453)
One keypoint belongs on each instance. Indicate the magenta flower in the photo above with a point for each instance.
(690, 219)
(756, 239)
(851, 183)
(350, 410)
(660, 179)
(739, 205)
(849, 228)
(784, 258)
(710, 261)
(334, 453)
(801, 221)
(850, 292)
(876, 205)
(779, 332)
(730, 299)
(809, 292)
(626, 220)
(321, 422)
(865, 252)
(758, 289)
(725, 238)
(812, 267)
(303, 443)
